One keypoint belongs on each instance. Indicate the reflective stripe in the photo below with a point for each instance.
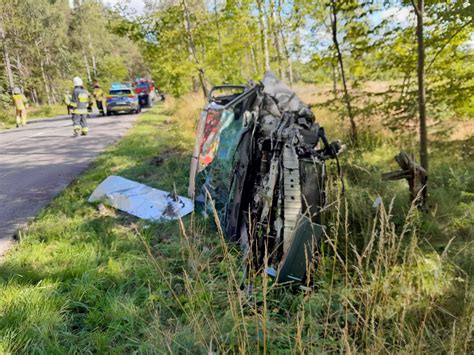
(80, 111)
(83, 97)
(85, 129)
(80, 100)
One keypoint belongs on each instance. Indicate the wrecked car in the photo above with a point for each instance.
(259, 164)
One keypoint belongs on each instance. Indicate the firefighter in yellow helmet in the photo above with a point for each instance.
(99, 97)
(19, 100)
(79, 102)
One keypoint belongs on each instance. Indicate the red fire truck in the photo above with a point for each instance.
(145, 89)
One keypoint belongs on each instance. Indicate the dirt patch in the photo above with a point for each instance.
(166, 154)
(165, 124)
(461, 130)
(104, 210)
(157, 161)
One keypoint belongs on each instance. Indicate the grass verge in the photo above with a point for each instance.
(391, 279)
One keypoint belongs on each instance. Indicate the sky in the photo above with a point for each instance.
(401, 15)
(137, 6)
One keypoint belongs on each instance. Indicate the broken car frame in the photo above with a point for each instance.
(257, 156)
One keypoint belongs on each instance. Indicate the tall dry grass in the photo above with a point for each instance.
(384, 296)
(378, 288)
(185, 110)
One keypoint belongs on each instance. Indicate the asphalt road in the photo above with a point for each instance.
(40, 160)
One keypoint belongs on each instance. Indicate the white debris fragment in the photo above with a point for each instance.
(377, 202)
(141, 200)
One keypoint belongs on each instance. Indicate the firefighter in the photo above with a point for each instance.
(90, 103)
(99, 96)
(79, 102)
(19, 100)
(67, 101)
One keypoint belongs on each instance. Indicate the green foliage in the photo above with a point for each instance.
(376, 46)
(449, 65)
(222, 42)
(62, 41)
(112, 69)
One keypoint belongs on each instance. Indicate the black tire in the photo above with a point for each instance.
(109, 113)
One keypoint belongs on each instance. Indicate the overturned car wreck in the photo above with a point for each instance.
(259, 163)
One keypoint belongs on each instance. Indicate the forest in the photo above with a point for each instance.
(192, 45)
(46, 43)
(395, 276)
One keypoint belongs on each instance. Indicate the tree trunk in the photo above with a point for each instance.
(255, 63)
(194, 80)
(6, 59)
(91, 50)
(347, 98)
(21, 71)
(48, 78)
(264, 27)
(334, 79)
(54, 93)
(276, 39)
(219, 35)
(285, 46)
(86, 63)
(419, 9)
(192, 47)
(43, 72)
(45, 82)
(94, 66)
(34, 96)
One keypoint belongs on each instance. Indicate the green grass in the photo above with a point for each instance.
(83, 280)
(7, 118)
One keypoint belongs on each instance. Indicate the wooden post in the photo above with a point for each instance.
(414, 174)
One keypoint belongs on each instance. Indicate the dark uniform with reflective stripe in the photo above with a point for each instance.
(79, 104)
